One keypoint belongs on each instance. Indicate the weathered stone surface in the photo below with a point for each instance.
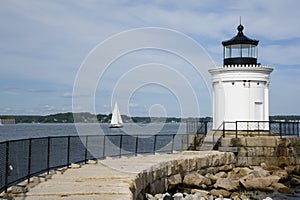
(282, 188)
(259, 183)
(75, 166)
(297, 169)
(158, 186)
(260, 172)
(282, 174)
(174, 180)
(269, 167)
(19, 189)
(295, 181)
(261, 141)
(217, 193)
(150, 197)
(178, 196)
(290, 169)
(227, 184)
(221, 174)
(91, 162)
(239, 172)
(195, 179)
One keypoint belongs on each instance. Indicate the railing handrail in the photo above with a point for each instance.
(255, 126)
(215, 132)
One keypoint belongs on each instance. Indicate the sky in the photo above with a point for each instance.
(45, 47)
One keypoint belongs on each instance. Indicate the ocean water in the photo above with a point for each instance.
(24, 131)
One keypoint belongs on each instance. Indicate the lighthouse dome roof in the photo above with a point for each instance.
(240, 38)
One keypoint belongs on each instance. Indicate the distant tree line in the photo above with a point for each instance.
(86, 117)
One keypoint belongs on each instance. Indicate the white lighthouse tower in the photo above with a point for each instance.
(241, 85)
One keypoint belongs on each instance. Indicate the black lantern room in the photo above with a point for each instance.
(240, 50)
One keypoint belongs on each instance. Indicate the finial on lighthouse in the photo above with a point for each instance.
(240, 28)
(240, 50)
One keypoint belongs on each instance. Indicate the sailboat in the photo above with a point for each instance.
(116, 120)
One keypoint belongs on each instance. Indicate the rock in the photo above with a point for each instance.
(269, 168)
(222, 192)
(282, 174)
(295, 182)
(221, 175)
(203, 193)
(268, 198)
(227, 184)
(158, 196)
(92, 162)
(167, 197)
(222, 198)
(297, 171)
(189, 197)
(244, 171)
(17, 189)
(172, 181)
(259, 183)
(75, 166)
(290, 169)
(282, 188)
(260, 172)
(235, 196)
(195, 179)
(178, 196)
(197, 196)
(212, 177)
(239, 172)
(150, 197)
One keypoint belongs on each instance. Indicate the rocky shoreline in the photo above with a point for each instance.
(239, 183)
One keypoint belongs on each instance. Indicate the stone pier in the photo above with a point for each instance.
(126, 178)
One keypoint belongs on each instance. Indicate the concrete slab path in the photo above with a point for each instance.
(106, 180)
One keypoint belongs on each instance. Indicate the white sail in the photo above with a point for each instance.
(116, 120)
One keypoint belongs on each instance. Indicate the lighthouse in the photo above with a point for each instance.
(241, 85)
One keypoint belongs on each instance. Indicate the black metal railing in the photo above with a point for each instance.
(218, 134)
(276, 128)
(22, 159)
(198, 127)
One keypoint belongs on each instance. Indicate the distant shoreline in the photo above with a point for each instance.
(86, 117)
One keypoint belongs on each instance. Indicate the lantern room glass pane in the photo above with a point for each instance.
(246, 51)
(254, 51)
(227, 52)
(236, 51)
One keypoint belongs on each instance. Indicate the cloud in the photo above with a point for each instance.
(44, 42)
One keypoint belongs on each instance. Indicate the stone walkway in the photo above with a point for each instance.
(106, 180)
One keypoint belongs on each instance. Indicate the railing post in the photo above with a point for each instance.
(173, 143)
(48, 155)
(247, 127)
(154, 145)
(86, 148)
(68, 152)
(29, 160)
(270, 126)
(280, 130)
(224, 124)
(6, 166)
(103, 147)
(297, 129)
(205, 128)
(236, 129)
(136, 145)
(121, 142)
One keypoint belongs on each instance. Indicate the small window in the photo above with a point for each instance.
(232, 83)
